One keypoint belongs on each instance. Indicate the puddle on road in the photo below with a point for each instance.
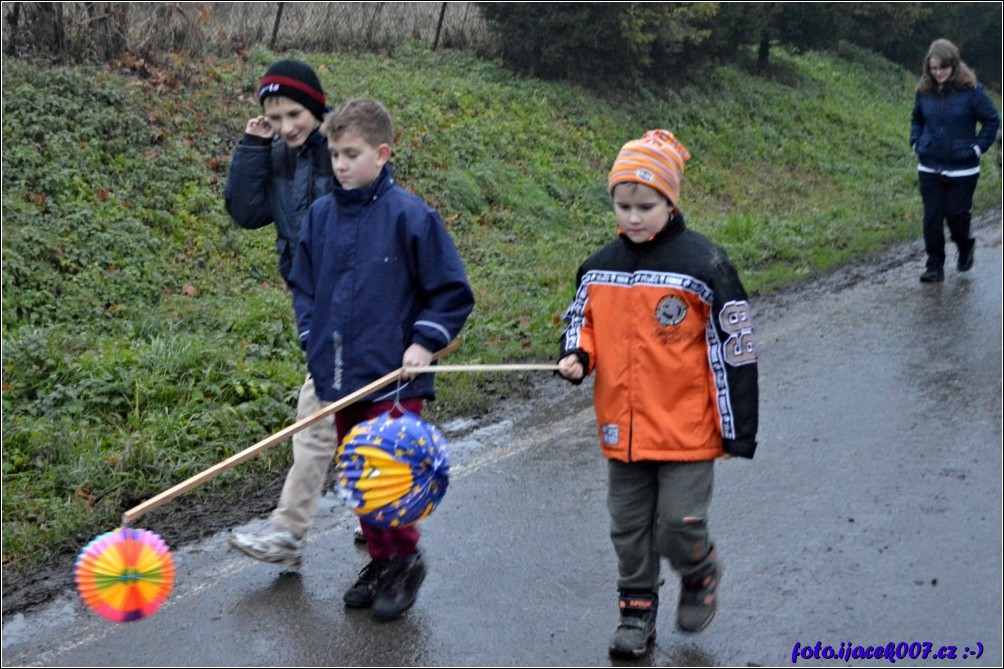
(19, 629)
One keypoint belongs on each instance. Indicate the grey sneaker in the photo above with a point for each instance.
(270, 543)
(636, 629)
(699, 599)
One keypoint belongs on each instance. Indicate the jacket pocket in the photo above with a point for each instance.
(962, 151)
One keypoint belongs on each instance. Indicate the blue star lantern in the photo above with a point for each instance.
(392, 471)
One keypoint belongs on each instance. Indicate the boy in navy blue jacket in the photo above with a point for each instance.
(377, 284)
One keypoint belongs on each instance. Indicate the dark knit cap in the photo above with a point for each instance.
(295, 80)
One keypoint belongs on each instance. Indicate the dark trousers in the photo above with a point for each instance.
(381, 543)
(946, 200)
(659, 509)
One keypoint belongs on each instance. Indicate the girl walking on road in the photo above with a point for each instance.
(949, 104)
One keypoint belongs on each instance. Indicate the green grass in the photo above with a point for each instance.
(146, 338)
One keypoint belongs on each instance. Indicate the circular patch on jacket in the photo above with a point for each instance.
(671, 311)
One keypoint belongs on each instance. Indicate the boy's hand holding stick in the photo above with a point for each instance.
(267, 443)
(248, 453)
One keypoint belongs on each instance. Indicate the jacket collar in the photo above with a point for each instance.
(360, 196)
(315, 140)
(673, 228)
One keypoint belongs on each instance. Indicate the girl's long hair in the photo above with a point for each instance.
(961, 78)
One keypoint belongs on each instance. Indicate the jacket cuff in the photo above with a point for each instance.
(583, 360)
(255, 140)
(432, 344)
(740, 448)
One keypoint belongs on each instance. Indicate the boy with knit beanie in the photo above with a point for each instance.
(279, 168)
(662, 319)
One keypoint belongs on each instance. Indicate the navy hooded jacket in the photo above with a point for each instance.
(269, 182)
(943, 129)
(375, 271)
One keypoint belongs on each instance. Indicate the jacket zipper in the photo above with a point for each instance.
(631, 436)
(635, 262)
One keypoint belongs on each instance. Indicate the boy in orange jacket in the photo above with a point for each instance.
(662, 319)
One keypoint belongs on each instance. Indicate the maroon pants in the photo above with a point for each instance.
(382, 544)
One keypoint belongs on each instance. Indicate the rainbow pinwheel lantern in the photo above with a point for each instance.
(125, 575)
(393, 471)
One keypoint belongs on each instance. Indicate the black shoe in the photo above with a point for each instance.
(699, 599)
(372, 581)
(404, 578)
(635, 632)
(967, 257)
(931, 275)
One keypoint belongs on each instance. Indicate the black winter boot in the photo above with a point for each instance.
(966, 256)
(371, 582)
(636, 629)
(932, 275)
(404, 578)
(699, 599)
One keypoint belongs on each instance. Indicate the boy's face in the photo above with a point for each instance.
(642, 212)
(290, 120)
(356, 162)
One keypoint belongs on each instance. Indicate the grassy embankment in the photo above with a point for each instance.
(145, 338)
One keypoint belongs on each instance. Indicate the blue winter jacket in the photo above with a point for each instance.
(375, 271)
(271, 183)
(943, 128)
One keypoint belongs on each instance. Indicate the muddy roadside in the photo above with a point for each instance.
(218, 509)
(230, 503)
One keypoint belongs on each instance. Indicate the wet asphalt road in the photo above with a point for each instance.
(871, 515)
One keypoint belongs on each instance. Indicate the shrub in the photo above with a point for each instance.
(594, 43)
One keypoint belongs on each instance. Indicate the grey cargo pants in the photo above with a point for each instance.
(659, 509)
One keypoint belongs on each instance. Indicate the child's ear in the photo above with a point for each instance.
(383, 153)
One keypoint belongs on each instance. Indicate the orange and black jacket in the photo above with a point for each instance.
(666, 327)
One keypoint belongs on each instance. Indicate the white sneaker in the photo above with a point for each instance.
(358, 535)
(270, 543)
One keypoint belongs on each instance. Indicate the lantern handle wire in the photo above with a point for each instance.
(397, 395)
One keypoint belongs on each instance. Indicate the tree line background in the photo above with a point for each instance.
(591, 43)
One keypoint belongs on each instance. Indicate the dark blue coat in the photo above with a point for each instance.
(271, 183)
(943, 128)
(375, 271)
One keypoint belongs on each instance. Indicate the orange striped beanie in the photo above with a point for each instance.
(656, 160)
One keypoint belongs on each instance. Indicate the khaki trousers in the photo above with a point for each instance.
(313, 450)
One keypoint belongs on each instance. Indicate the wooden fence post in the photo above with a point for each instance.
(439, 26)
(275, 26)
